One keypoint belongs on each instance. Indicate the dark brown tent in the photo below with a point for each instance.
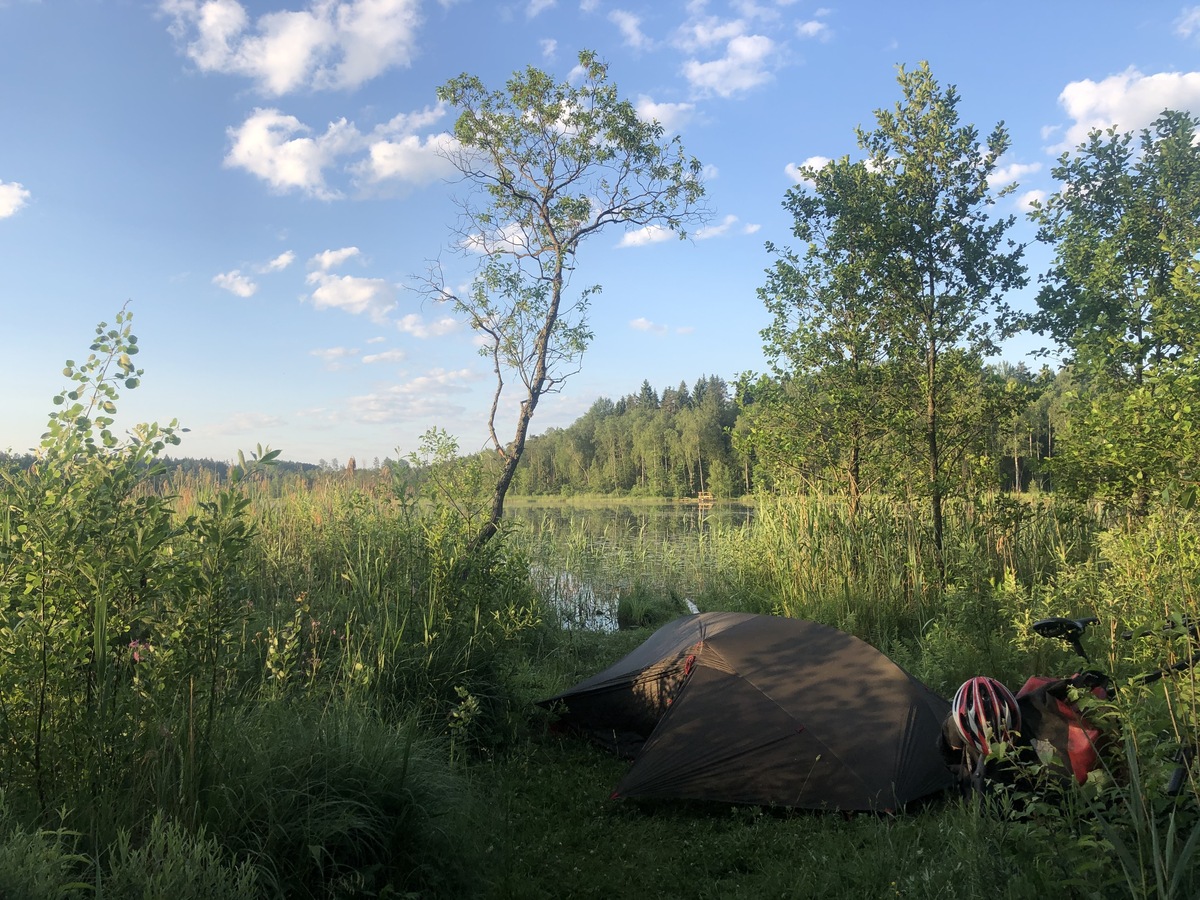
(755, 709)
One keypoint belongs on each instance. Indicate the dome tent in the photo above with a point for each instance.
(757, 709)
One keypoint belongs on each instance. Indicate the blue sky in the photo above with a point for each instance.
(261, 182)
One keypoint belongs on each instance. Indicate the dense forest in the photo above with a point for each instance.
(711, 437)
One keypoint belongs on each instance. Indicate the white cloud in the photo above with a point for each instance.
(814, 29)
(712, 231)
(247, 423)
(1026, 200)
(372, 296)
(275, 147)
(334, 357)
(672, 116)
(651, 234)
(409, 159)
(1005, 175)
(236, 283)
(1188, 22)
(630, 27)
(376, 340)
(549, 48)
(422, 397)
(331, 353)
(331, 259)
(289, 155)
(793, 171)
(385, 356)
(417, 326)
(751, 228)
(279, 263)
(644, 324)
(537, 7)
(588, 6)
(331, 44)
(707, 32)
(1130, 101)
(752, 10)
(743, 67)
(508, 239)
(12, 197)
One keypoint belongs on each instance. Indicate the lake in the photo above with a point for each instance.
(585, 558)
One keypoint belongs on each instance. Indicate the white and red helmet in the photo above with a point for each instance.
(985, 713)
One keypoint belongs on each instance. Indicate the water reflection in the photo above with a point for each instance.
(656, 521)
(585, 559)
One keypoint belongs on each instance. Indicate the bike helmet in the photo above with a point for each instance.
(984, 711)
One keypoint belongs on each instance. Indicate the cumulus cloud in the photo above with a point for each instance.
(357, 296)
(289, 155)
(549, 48)
(1129, 101)
(651, 234)
(331, 259)
(508, 239)
(672, 116)
(281, 262)
(1026, 201)
(630, 27)
(707, 31)
(712, 231)
(814, 29)
(278, 149)
(795, 172)
(644, 324)
(537, 7)
(743, 67)
(12, 197)
(422, 397)
(385, 356)
(417, 326)
(328, 45)
(236, 283)
(1005, 175)
(409, 159)
(751, 228)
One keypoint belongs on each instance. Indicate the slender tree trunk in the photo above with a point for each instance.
(935, 463)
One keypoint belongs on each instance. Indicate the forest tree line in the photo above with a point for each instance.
(712, 437)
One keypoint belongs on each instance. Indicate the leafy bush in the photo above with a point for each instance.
(38, 865)
(174, 863)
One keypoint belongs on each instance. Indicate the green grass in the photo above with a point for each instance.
(554, 833)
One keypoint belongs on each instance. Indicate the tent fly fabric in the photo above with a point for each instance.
(764, 710)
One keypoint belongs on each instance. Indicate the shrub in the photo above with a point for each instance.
(174, 863)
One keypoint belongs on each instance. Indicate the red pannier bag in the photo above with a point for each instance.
(1056, 728)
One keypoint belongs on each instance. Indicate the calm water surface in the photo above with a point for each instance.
(585, 558)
